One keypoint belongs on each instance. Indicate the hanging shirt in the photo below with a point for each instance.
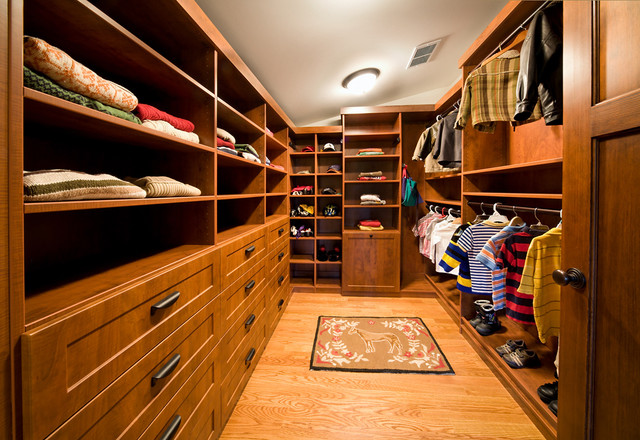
(512, 255)
(542, 259)
(426, 246)
(418, 229)
(448, 146)
(440, 238)
(489, 94)
(487, 256)
(454, 257)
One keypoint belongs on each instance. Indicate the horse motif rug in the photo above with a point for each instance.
(374, 344)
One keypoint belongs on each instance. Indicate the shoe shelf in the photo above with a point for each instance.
(328, 262)
(301, 259)
(301, 238)
(446, 290)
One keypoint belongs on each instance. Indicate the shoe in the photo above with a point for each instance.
(478, 318)
(294, 231)
(322, 254)
(522, 358)
(490, 323)
(548, 392)
(553, 406)
(510, 346)
(308, 232)
(334, 255)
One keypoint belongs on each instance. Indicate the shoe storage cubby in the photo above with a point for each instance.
(325, 160)
(239, 176)
(302, 162)
(329, 227)
(276, 181)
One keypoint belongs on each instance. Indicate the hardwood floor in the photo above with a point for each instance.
(286, 400)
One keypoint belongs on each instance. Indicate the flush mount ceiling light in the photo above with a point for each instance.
(361, 81)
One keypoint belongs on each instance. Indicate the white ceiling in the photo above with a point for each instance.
(301, 50)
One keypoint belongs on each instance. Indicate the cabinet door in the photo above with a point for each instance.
(599, 375)
(371, 262)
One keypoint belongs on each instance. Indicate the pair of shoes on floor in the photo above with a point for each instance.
(333, 255)
(510, 346)
(548, 392)
(486, 321)
(516, 355)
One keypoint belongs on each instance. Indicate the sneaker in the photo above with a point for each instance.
(490, 323)
(553, 406)
(294, 231)
(522, 358)
(334, 255)
(478, 318)
(548, 392)
(322, 254)
(510, 346)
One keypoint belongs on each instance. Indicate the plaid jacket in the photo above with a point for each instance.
(489, 94)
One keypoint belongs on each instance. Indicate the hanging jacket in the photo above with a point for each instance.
(541, 68)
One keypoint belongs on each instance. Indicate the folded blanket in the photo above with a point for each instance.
(228, 150)
(370, 153)
(370, 150)
(373, 223)
(65, 71)
(149, 112)
(165, 127)
(222, 143)
(41, 83)
(370, 198)
(372, 178)
(224, 134)
(247, 148)
(59, 185)
(250, 156)
(162, 186)
(370, 228)
(370, 174)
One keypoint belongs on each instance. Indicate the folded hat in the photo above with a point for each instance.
(329, 147)
(334, 169)
(309, 149)
(304, 172)
(329, 191)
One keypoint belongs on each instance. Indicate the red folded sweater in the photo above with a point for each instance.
(374, 223)
(222, 143)
(146, 111)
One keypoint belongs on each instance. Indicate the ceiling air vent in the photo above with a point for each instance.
(422, 53)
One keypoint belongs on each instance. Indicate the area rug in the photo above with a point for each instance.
(375, 344)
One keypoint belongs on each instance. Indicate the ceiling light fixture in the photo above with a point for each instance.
(361, 81)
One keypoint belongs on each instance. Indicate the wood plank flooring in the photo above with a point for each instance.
(286, 400)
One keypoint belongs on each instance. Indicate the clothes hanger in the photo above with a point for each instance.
(480, 217)
(519, 38)
(560, 224)
(538, 226)
(496, 217)
(516, 220)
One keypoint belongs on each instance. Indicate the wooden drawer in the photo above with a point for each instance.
(147, 389)
(239, 255)
(234, 343)
(277, 233)
(279, 298)
(195, 411)
(278, 257)
(237, 298)
(69, 361)
(233, 384)
(277, 283)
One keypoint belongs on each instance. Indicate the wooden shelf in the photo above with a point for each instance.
(301, 153)
(78, 205)
(513, 195)
(231, 233)
(442, 175)
(330, 217)
(239, 196)
(236, 123)
(301, 282)
(329, 237)
(271, 169)
(447, 292)
(329, 153)
(516, 168)
(371, 136)
(334, 283)
(372, 206)
(329, 195)
(443, 202)
(303, 218)
(301, 238)
(273, 143)
(373, 157)
(301, 259)
(275, 217)
(328, 174)
(387, 230)
(232, 160)
(373, 181)
(328, 262)
(308, 196)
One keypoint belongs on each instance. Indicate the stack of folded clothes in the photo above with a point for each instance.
(248, 152)
(370, 152)
(371, 175)
(166, 123)
(162, 186)
(370, 225)
(225, 141)
(51, 71)
(372, 199)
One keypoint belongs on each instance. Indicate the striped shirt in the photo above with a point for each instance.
(489, 94)
(454, 257)
(471, 242)
(537, 280)
(487, 256)
(512, 255)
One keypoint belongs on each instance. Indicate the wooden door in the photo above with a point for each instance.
(371, 261)
(599, 381)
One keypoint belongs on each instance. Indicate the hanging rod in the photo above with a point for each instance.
(438, 208)
(516, 30)
(517, 208)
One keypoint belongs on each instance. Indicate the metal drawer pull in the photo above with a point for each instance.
(281, 279)
(249, 321)
(250, 285)
(166, 303)
(171, 429)
(280, 303)
(249, 249)
(281, 255)
(166, 369)
(280, 231)
(249, 358)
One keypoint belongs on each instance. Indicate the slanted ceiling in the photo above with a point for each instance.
(301, 50)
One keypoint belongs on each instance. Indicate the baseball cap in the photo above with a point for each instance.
(329, 147)
(334, 169)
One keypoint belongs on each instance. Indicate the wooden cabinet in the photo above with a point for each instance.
(371, 261)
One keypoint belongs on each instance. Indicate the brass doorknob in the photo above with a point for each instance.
(572, 277)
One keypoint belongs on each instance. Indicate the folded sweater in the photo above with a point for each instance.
(162, 186)
(222, 143)
(149, 112)
(224, 134)
(165, 127)
(370, 174)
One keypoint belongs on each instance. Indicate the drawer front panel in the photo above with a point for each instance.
(68, 362)
(278, 257)
(240, 254)
(278, 233)
(240, 373)
(239, 296)
(234, 344)
(145, 389)
(278, 301)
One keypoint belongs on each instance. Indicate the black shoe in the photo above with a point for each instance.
(478, 318)
(322, 254)
(548, 392)
(553, 406)
(490, 323)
